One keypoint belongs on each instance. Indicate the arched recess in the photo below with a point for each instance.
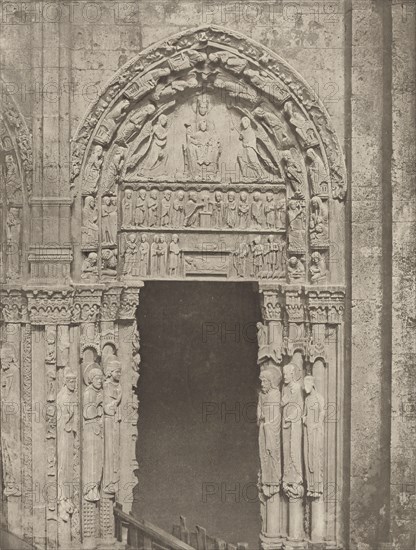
(16, 172)
(208, 157)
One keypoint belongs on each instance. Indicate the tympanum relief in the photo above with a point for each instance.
(212, 144)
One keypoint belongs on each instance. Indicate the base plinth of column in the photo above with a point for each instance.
(294, 544)
(271, 543)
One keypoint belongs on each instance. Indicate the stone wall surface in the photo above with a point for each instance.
(60, 313)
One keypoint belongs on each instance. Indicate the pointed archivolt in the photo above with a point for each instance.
(197, 60)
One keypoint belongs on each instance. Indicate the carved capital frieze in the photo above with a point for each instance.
(13, 306)
(326, 305)
(110, 304)
(49, 306)
(129, 302)
(87, 305)
(295, 305)
(271, 302)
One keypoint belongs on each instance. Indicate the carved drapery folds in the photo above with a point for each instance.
(208, 157)
(300, 359)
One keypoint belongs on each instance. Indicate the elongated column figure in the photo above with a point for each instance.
(313, 421)
(270, 475)
(292, 410)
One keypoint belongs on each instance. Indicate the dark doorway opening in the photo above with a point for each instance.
(197, 433)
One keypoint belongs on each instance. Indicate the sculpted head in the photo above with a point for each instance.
(181, 195)
(243, 196)
(231, 196)
(270, 379)
(193, 196)
(142, 193)
(218, 196)
(128, 193)
(245, 122)
(153, 194)
(70, 379)
(175, 238)
(163, 120)
(289, 373)
(113, 369)
(167, 194)
(309, 383)
(98, 150)
(95, 378)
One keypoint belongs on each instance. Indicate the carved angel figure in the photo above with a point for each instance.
(317, 269)
(303, 127)
(153, 160)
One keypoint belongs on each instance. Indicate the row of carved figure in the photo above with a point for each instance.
(291, 433)
(238, 210)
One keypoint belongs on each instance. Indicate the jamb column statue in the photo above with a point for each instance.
(112, 419)
(313, 424)
(292, 410)
(93, 450)
(270, 475)
(67, 428)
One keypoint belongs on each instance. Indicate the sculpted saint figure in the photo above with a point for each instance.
(67, 428)
(106, 229)
(89, 269)
(152, 208)
(313, 429)
(144, 250)
(257, 251)
(240, 258)
(93, 170)
(93, 442)
(270, 211)
(130, 255)
(269, 423)
(127, 208)
(178, 214)
(257, 210)
(155, 159)
(318, 224)
(89, 230)
(112, 419)
(140, 214)
(292, 407)
(317, 269)
(166, 214)
(231, 212)
(295, 269)
(318, 175)
(174, 252)
(192, 208)
(218, 210)
(297, 225)
(244, 211)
